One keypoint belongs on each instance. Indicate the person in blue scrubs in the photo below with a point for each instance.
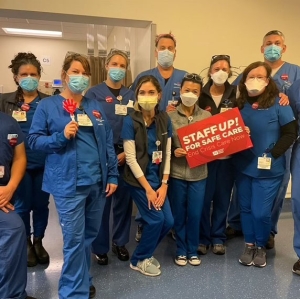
(218, 96)
(187, 185)
(259, 170)
(284, 74)
(117, 102)
(80, 171)
(13, 275)
(294, 96)
(29, 196)
(146, 138)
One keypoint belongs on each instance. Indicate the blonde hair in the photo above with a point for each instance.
(113, 52)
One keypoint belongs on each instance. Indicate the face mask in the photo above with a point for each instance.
(148, 103)
(219, 77)
(188, 99)
(165, 58)
(255, 86)
(78, 83)
(29, 83)
(272, 53)
(116, 74)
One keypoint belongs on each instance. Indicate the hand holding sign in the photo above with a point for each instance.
(70, 106)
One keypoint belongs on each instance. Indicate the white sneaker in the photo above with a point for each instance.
(154, 262)
(194, 261)
(146, 268)
(181, 260)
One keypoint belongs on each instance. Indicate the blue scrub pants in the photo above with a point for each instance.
(295, 170)
(156, 225)
(13, 256)
(256, 196)
(80, 218)
(186, 200)
(218, 190)
(276, 210)
(234, 214)
(31, 197)
(122, 209)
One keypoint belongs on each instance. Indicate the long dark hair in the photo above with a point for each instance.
(267, 98)
(23, 58)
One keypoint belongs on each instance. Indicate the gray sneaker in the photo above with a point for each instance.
(248, 255)
(260, 259)
(219, 249)
(202, 249)
(154, 262)
(146, 268)
(138, 234)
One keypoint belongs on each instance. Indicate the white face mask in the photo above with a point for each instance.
(219, 77)
(255, 86)
(148, 103)
(188, 99)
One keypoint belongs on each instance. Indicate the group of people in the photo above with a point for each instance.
(97, 152)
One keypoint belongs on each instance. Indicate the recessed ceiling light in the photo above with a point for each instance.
(33, 32)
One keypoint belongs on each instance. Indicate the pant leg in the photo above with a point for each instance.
(263, 196)
(156, 224)
(122, 210)
(77, 215)
(205, 223)
(13, 253)
(23, 200)
(277, 207)
(40, 203)
(101, 243)
(177, 192)
(234, 216)
(244, 194)
(295, 170)
(224, 183)
(138, 218)
(195, 200)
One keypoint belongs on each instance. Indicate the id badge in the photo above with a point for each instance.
(19, 116)
(2, 172)
(264, 163)
(83, 120)
(120, 109)
(172, 102)
(157, 157)
(224, 109)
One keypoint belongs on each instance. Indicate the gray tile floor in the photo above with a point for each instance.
(216, 277)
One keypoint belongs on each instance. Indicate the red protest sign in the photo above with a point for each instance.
(215, 137)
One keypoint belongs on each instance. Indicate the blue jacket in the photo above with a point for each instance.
(47, 134)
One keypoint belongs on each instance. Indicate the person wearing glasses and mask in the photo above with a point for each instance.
(117, 102)
(80, 171)
(187, 185)
(29, 196)
(146, 137)
(259, 170)
(218, 95)
(284, 74)
(168, 77)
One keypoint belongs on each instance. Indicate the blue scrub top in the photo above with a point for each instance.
(10, 136)
(284, 78)
(108, 101)
(264, 127)
(170, 90)
(152, 172)
(35, 159)
(294, 97)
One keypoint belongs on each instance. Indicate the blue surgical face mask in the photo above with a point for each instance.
(29, 83)
(165, 58)
(78, 83)
(272, 53)
(116, 74)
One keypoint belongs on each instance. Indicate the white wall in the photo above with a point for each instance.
(55, 49)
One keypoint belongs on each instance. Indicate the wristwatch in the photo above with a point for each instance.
(164, 182)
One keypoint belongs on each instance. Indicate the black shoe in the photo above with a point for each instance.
(232, 233)
(41, 253)
(102, 259)
(31, 256)
(29, 297)
(296, 268)
(121, 252)
(92, 291)
(271, 242)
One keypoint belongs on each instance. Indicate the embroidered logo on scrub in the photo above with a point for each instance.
(98, 116)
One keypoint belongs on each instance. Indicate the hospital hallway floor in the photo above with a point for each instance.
(216, 277)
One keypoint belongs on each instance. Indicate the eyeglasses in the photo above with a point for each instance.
(193, 76)
(220, 57)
